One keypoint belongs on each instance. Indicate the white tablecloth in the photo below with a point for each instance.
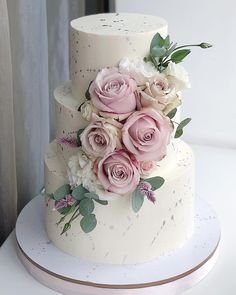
(215, 182)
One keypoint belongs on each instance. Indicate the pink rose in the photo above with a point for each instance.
(146, 167)
(146, 134)
(113, 93)
(101, 137)
(118, 173)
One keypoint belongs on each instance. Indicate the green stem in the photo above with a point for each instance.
(175, 122)
(73, 216)
(154, 62)
(184, 46)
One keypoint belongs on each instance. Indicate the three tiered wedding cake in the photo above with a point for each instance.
(119, 182)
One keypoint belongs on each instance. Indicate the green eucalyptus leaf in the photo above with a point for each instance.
(91, 196)
(158, 51)
(66, 227)
(179, 55)
(62, 191)
(102, 202)
(167, 41)
(172, 113)
(157, 40)
(178, 133)
(79, 192)
(156, 182)
(86, 206)
(137, 200)
(68, 210)
(78, 136)
(183, 123)
(88, 223)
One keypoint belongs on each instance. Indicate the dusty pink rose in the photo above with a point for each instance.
(146, 134)
(101, 137)
(113, 93)
(118, 173)
(146, 167)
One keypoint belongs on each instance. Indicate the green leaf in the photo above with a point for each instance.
(68, 210)
(79, 192)
(66, 227)
(183, 123)
(50, 196)
(179, 55)
(158, 51)
(102, 202)
(86, 206)
(172, 113)
(157, 40)
(178, 133)
(137, 200)
(87, 94)
(88, 223)
(62, 191)
(91, 196)
(156, 182)
(167, 41)
(78, 136)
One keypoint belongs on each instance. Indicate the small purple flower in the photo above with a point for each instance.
(146, 189)
(151, 196)
(65, 202)
(67, 140)
(144, 186)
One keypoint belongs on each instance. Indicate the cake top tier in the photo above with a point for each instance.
(118, 24)
(102, 40)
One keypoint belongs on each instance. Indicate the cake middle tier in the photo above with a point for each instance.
(122, 236)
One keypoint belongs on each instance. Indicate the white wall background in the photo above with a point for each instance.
(211, 101)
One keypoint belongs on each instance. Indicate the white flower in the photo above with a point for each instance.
(138, 69)
(178, 75)
(87, 110)
(77, 165)
(159, 93)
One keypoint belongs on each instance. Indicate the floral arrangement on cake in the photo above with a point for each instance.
(130, 110)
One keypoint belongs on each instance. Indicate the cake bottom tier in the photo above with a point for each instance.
(125, 237)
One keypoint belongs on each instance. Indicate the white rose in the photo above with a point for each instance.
(138, 69)
(87, 110)
(177, 75)
(159, 93)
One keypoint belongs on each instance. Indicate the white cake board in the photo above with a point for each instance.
(167, 275)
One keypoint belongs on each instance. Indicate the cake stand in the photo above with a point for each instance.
(168, 275)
